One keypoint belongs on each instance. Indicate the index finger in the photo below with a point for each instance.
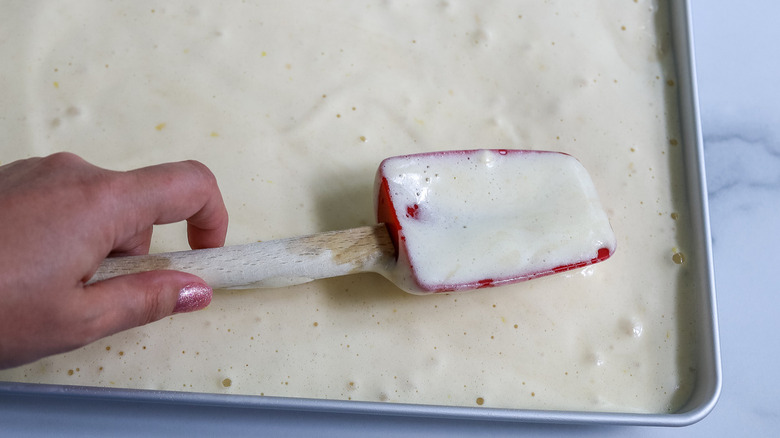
(168, 193)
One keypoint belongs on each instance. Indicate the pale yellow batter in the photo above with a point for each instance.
(293, 105)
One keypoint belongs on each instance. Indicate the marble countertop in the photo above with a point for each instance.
(739, 94)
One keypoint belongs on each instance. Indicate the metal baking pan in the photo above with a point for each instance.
(708, 381)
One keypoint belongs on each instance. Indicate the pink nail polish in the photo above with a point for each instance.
(192, 297)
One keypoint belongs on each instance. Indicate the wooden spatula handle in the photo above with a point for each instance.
(273, 263)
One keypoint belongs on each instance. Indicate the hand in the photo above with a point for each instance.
(61, 216)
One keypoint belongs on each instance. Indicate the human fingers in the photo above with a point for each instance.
(169, 193)
(61, 216)
(41, 328)
(128, 301)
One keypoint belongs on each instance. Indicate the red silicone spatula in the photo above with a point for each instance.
(448, 221)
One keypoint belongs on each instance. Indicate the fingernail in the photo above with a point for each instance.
(193, 297)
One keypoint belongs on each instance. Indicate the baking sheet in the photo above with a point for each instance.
(708, 384)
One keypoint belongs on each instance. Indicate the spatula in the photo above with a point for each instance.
(447, 221)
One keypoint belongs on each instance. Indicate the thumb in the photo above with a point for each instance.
(133, 300)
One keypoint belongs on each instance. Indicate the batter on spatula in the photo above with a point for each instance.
(470, 219)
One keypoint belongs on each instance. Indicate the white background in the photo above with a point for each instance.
(738, 63)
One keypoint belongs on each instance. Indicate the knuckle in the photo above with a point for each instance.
(90, 182)
(64, 159)
(202, 172)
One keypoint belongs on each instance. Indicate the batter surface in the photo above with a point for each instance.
(293, 105)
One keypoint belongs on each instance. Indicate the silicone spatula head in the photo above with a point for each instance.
(470, 219)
